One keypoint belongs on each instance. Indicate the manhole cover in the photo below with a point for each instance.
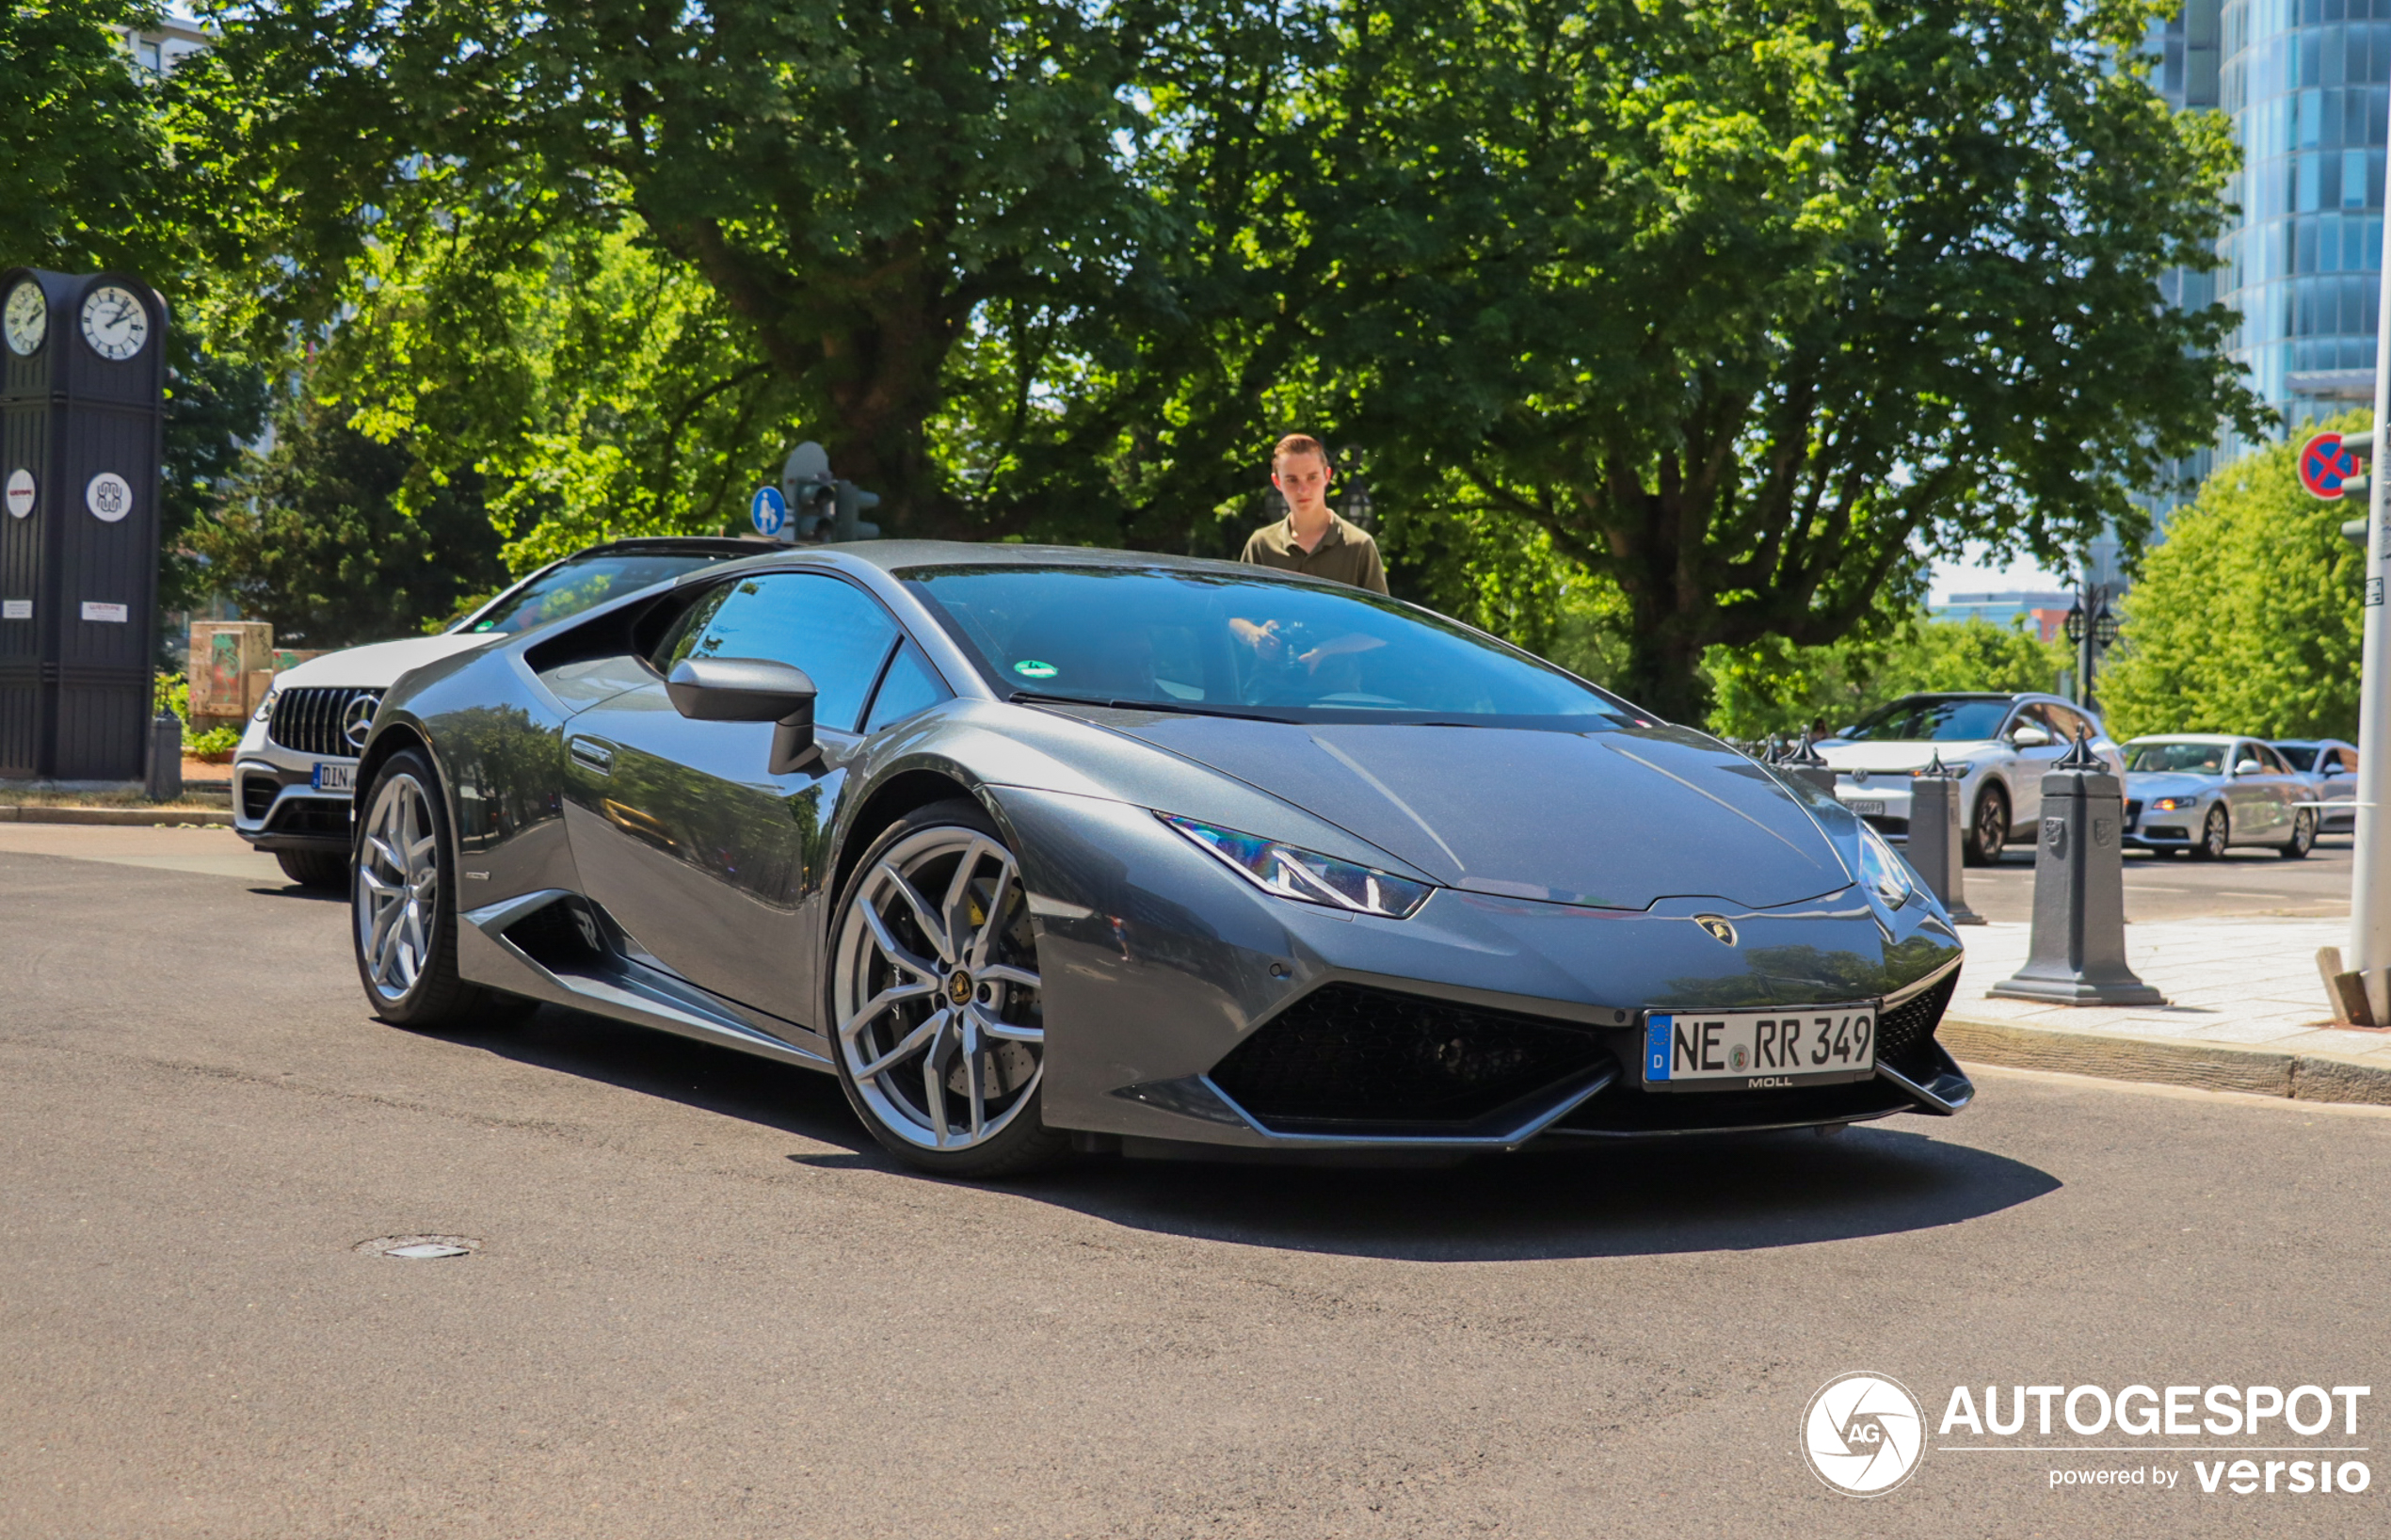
(418, 1249)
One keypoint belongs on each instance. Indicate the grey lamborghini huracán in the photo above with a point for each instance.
(1043, 849)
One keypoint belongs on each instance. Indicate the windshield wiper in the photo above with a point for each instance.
(1034, 697)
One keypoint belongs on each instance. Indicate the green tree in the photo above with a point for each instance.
(2248, 619)
(602, 389)
(1772, 687)
(310, 535)
(856, 185)
(90, 178)
(1752, 309)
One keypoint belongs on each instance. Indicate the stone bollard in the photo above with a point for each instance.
(164, 780)
(2078, 954)
(1805, 764)
(1934, 839)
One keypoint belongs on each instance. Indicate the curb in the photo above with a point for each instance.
(121, 817)
(2205, 1066)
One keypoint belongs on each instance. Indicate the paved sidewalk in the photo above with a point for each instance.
(2245, 1012)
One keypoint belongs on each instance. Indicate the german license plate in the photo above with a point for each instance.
(1867, 807)
(1758, 1051)
(335, 776)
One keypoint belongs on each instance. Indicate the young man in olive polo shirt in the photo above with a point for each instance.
(1312, 539)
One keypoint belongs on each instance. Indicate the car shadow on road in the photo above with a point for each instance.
(1738, 1194)
(1728, 1194)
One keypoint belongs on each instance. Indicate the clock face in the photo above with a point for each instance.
(115, 322)
(28, 318)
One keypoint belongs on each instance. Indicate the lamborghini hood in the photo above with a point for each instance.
(1615, 818)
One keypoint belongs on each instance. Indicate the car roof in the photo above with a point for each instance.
(2189, 738)
(667, 545)
(895, 555)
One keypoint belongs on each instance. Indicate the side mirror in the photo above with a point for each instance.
(749, 690)
(2250, 767)
(2031, 737)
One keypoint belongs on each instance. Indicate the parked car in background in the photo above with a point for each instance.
(2331, 766)
(1998, 744)
(293, 773)
(2202, 793)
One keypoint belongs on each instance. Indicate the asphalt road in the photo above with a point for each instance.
(2246, 882)
(702, 1305)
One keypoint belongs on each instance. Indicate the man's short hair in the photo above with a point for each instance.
(1301, 443)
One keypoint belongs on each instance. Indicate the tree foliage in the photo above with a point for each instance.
(1771, 687)
(312, 538)
(2248, 619)
(1748, 308)
(1741, 311)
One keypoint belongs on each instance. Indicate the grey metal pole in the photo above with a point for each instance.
(2370, 847)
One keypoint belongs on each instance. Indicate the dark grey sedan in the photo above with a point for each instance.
(1051, 849)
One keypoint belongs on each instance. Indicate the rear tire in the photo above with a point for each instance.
(1988, 831)
(403, 904)
(2303, 835)
(314, 868)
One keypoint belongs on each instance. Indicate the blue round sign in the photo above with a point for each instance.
(769, 510)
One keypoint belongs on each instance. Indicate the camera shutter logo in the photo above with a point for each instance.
(1863, 1433)
(109, 496)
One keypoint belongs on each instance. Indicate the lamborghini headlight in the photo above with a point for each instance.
(1886, 873)
(1306, 875)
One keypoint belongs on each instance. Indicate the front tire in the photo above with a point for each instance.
(938, 1022)
(2303, 835)
(403, 902)
(1988, 831)
(314, 868)
(2216, 835)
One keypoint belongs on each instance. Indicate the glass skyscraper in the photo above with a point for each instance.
(2307, 84)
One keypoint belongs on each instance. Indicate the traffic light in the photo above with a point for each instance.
(821, 508)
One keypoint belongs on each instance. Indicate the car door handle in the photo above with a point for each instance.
(595, 755)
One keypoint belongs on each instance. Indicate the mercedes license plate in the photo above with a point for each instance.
(1758, 1051)
(336, 775)
(1867, 807)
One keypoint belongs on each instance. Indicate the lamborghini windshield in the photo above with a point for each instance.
(1209, 641)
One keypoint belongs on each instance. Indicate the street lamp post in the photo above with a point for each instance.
(2371, 846)
(2093, 627)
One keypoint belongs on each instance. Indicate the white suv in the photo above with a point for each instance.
(293, 776)
(1998, 744)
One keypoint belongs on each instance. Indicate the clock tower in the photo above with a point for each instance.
(82, 417)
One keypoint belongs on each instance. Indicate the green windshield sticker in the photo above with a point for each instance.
(1031, 669)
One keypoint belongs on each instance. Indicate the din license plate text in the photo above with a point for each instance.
(1867, 807)
(1753, 1051)
(335, 777)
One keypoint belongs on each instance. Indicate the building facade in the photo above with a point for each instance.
(2307, 86)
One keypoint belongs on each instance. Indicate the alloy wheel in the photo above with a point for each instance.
(936, 995)
(2304, 834)
(397, 888)
(1992, 827)
(2216, 834)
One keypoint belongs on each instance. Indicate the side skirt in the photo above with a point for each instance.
(580, 971)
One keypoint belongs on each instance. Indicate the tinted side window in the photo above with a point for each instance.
(834, 632)
(2272, 761)
(910, 686)
(2065, 723)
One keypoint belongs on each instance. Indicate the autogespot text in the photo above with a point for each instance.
(2240, 1438)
